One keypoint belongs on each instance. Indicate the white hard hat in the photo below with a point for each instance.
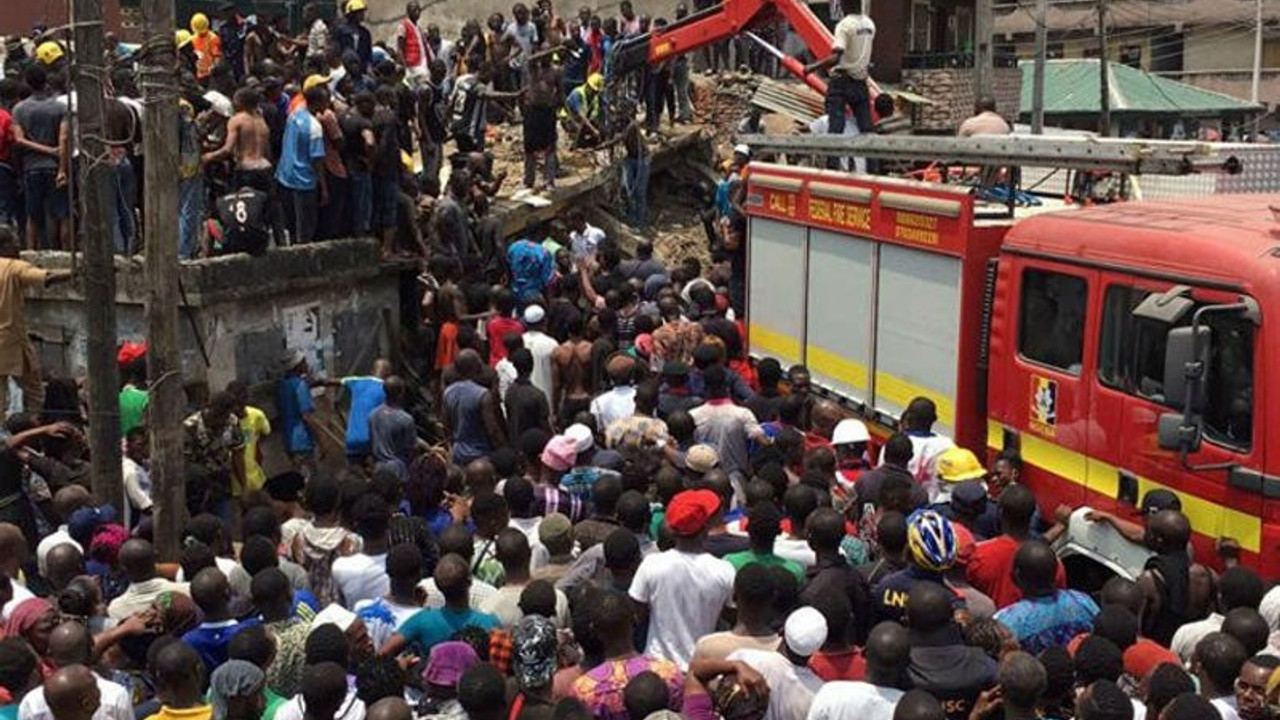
(742, 149)
(849, 431)
(219, 103)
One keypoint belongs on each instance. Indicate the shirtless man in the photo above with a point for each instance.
(571, 373)
(1177, 590)
(541, 104)
(248, 142)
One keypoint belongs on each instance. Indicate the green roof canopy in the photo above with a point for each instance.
(1071, 87)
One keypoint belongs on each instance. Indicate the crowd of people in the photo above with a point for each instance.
(325, 134)
(591, 506)
(578, 498)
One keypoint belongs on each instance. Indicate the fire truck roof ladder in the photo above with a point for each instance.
(1131, 157)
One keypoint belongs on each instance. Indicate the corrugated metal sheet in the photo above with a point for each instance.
(1072, 87)
(796, 101)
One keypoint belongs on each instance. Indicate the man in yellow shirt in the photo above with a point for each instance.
(179, 677)
(17, 355)
(254, 425)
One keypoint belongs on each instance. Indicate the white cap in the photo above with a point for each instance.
(849, 431)
(334, 614)
(742, 149)
(534, 314)
(805, 631)
(581, 435)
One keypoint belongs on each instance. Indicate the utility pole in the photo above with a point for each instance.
(97, 238)
(1104, 77)
(984, 62)
(1037, 73)
(160, 223)
(1257, 52)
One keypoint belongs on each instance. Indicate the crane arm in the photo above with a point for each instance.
(722, 22)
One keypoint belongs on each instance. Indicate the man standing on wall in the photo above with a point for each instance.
(18, 358)
(850, 61)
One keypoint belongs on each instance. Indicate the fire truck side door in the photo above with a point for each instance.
(1131, 366)
(1047, 397)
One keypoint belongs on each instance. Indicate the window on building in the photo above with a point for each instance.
(1131, 55)
(921, 27)
(1132, 353)
(1051, 319)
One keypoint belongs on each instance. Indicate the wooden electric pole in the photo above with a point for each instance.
(96, 206)
(1104, 77)
(160, 223)
(1037, 73)
(984, 61)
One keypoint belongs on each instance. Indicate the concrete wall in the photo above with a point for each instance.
(333, 300)
(1217, 49)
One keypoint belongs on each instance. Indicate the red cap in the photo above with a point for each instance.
(689, 511)
(130, 352)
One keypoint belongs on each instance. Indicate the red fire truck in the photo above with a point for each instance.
(1118, 348)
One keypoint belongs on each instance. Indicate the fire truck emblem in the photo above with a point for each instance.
(1044, 403)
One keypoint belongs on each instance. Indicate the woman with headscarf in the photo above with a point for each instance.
(236, 691)
(33, 620)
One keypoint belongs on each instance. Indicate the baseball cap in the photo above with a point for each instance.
(849, 431)
(49, 52)
(805, 631)
(582, 437)
(957, 464)
(560, 453)
(314, 81)
(554, 526)
(534, 314)
(1160, 499)
(86, 520)
(689, 511)
(701, 458)
(533, 657)
(131, 351)
(969, 494)
(448, 662)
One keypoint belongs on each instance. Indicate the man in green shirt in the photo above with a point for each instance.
(765, 523)
(132, 359)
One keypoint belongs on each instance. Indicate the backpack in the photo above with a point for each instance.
(318, 562)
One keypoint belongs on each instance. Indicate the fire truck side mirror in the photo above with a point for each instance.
(1186, 362)
(1173, 432)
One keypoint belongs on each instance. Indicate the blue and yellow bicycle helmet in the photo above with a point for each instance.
(932, 540)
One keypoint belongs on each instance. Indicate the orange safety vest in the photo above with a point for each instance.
(208, 49)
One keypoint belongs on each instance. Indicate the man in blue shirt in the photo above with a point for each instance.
(297, 412)
(427, 628)
(1045, 616)
(300, 171)
(366, 394)
(212, 594)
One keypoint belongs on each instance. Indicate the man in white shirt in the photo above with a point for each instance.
(363, 575)
(138, 560)
(540, 345)
(618, 402)
(508, 603)
(1216, 663)
(71, 644)
(137, 478)
(65, 502)
(887, 651)
(683, 590)
(985, 121)
(726, 427)
(584, 238)
(1239, 587)
(850, 61)
(792, 684)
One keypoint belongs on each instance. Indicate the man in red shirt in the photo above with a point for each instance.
(502, 322)
(991, 567)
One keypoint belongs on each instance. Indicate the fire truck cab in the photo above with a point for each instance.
(1118, 348)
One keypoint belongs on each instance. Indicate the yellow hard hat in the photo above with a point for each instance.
(199, 23)
(314, 81)
(958, 464)
(49, 52)
(596, 81)
(182, 38)
(355, 6)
